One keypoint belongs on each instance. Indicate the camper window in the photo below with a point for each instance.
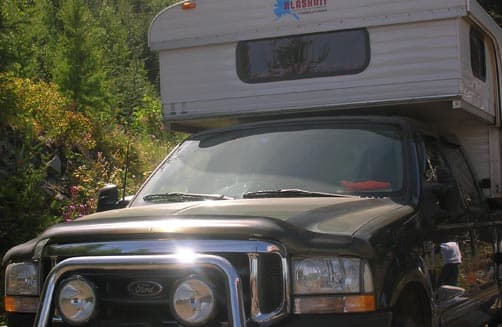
(478, 57)
(303, 56)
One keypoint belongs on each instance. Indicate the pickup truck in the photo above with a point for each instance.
(321, 221)
(344, 170)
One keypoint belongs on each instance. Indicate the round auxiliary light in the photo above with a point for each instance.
(76, 300)
(193, 302)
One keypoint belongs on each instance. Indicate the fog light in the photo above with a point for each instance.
(193, 302)
(76, 300)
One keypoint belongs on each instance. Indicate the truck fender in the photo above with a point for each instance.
(416, 277)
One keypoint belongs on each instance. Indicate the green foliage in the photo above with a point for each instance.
(23, 39)
(26, 207)
(77, 67)
(43, 113)
(43, 121)
(39, 122)
(146, 118)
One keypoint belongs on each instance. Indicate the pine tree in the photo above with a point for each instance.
(17, 43)
(78, 68)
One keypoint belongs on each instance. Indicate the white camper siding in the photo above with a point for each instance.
(476, 92)
(495, 162)
(482, 147)
(408, 61)
(493, 91)
(474, 138)
(233, 20)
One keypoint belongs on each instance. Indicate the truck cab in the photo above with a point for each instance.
(336, 175)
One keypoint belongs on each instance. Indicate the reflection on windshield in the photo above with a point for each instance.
(319, 159)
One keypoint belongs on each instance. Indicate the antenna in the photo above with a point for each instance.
(126, 170)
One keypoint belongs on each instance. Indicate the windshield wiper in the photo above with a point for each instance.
(183, 197)
(289, 193)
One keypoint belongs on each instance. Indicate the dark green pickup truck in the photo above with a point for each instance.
(330, 221)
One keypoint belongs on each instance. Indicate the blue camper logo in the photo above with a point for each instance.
(283, 8)
(296, 8)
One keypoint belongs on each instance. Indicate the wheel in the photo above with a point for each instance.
(411, 310)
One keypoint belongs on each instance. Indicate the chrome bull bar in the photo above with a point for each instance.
(236, 311)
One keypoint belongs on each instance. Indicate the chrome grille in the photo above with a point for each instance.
(261, 267)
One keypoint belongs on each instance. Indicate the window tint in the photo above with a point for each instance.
(478, 56)
(303, 56)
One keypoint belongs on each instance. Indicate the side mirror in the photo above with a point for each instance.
(108, 199)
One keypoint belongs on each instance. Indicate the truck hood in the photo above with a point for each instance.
(298, 222)
(322, 215)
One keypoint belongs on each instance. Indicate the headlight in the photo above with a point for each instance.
(331, 276)
(21, 279)
(332, 285)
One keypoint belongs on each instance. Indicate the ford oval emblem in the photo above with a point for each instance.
(145, 288)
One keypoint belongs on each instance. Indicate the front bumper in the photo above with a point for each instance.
(247, 301)
(378, 319)
(374, 319)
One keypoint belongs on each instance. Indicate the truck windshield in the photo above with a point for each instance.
(284, 161)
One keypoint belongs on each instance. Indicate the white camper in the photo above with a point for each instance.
(439, 61)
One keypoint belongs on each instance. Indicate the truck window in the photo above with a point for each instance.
(434, 163)
(437, 171)
(478, 54)
(303, 56)
(331, 159)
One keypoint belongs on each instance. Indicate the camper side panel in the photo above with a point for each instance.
(233, 20)
(407, 62)
(479, 85)
(480, 88)
(481, 144)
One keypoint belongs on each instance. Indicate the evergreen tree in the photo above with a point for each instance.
(78, 66)
(17, 28)
(125, 67)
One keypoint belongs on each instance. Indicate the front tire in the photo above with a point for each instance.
(411, 310)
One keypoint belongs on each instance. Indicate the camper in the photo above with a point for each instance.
(343, 169)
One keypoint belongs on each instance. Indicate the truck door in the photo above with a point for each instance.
(462, 248)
